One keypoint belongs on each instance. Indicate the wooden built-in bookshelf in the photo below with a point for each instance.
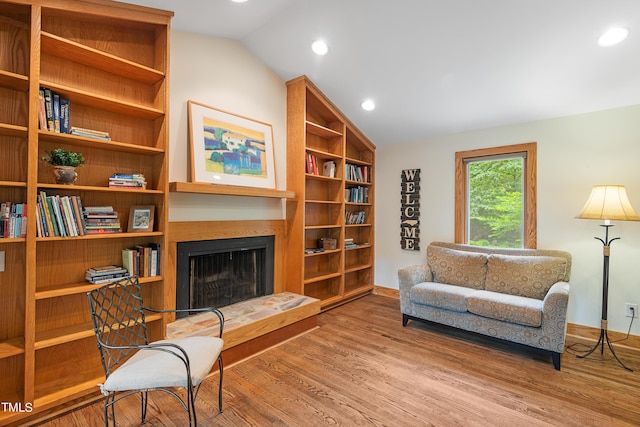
(111, 60)
(318, 130)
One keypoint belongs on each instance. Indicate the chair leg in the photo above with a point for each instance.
(144, 396)
(220, 383)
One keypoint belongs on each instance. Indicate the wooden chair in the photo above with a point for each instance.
(134, 365)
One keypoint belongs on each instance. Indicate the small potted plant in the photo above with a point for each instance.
(64, 164)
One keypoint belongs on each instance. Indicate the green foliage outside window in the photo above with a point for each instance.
(496, 203)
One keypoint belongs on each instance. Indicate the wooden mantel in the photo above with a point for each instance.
(228, 190)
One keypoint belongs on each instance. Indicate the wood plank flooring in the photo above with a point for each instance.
(362, 368)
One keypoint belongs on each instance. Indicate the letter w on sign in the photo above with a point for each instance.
(410, 210)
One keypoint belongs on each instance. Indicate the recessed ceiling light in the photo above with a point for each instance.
(239, 1)
(613, 37)
(368, 105)
(319, 47)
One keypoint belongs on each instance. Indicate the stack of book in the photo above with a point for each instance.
(349, 244)
(89, 133)
(101, 219)
(133, 181)
(59, 216)
(142, 261)
(106, 274)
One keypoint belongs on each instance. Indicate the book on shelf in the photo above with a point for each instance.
(329, 169)
(349, 243)
(106, 274)
(101, 220)
(312, 164)
(42, 114)
(134, 181)
(357, 173)
(54, 111)
(357, 217)
(89, 133)
(13, 220)
(58, 216)
(142, 260)
(356, 194)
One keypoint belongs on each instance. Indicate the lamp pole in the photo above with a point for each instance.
(604, 335)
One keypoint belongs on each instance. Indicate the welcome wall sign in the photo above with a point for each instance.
(410, 210)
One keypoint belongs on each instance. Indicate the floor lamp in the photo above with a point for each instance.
(607, 202)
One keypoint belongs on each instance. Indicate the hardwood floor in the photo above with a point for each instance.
(361, 368)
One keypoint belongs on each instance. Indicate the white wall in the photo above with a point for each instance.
(574, 154)
(222, 73)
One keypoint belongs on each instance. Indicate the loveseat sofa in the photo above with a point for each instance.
(518, 295)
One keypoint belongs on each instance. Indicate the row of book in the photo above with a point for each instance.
(134, 181)
(64, 216)
(54, 115)
(142, 261)
(356, 194)
(106, 274)
(357, 173)
(13, 220)
(313, 166)
(54, 111)
(358, 217)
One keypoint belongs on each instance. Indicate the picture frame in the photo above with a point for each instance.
(229, 149)
(141, 219)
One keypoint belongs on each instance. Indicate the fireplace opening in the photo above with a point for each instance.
(221, 272)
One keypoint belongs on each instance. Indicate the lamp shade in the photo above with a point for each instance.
(609, 202)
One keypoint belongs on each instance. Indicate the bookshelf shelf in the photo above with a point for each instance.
(80, 288)
(102, 102)
(319, 130)
(11, 347)
(7, 129)
(64, 48)
(80, 141)
(14, 81)
(110, 60)
(316, 128)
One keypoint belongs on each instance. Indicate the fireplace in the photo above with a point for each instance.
(221, 272)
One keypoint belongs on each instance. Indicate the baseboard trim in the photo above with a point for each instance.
(576, 331)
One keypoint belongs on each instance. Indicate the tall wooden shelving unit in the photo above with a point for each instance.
(316, 127)
(111, 61)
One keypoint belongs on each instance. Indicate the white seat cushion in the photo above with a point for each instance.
(149, 369)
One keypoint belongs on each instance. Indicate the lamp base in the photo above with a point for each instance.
(604, 337)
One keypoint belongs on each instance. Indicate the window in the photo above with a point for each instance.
(495, 196)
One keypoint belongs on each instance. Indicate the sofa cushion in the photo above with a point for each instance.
(458, 268)
(449, 297)
(509, 308)
(525, 276)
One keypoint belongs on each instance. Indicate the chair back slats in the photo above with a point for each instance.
(118, 321)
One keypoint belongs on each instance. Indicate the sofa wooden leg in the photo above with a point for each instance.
(555, 357)
(405, 319)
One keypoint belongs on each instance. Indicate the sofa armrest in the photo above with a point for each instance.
(411, 275)
(554, 313)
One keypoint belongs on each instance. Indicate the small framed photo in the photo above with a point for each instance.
(140, 219)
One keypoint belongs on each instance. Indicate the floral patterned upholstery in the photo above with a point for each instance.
(523, 299)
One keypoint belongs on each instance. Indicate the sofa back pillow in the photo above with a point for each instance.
(460, 268)
(525, 276)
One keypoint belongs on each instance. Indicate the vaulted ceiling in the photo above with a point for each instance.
(435, 67)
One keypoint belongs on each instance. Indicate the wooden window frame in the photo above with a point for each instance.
(530, 198)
